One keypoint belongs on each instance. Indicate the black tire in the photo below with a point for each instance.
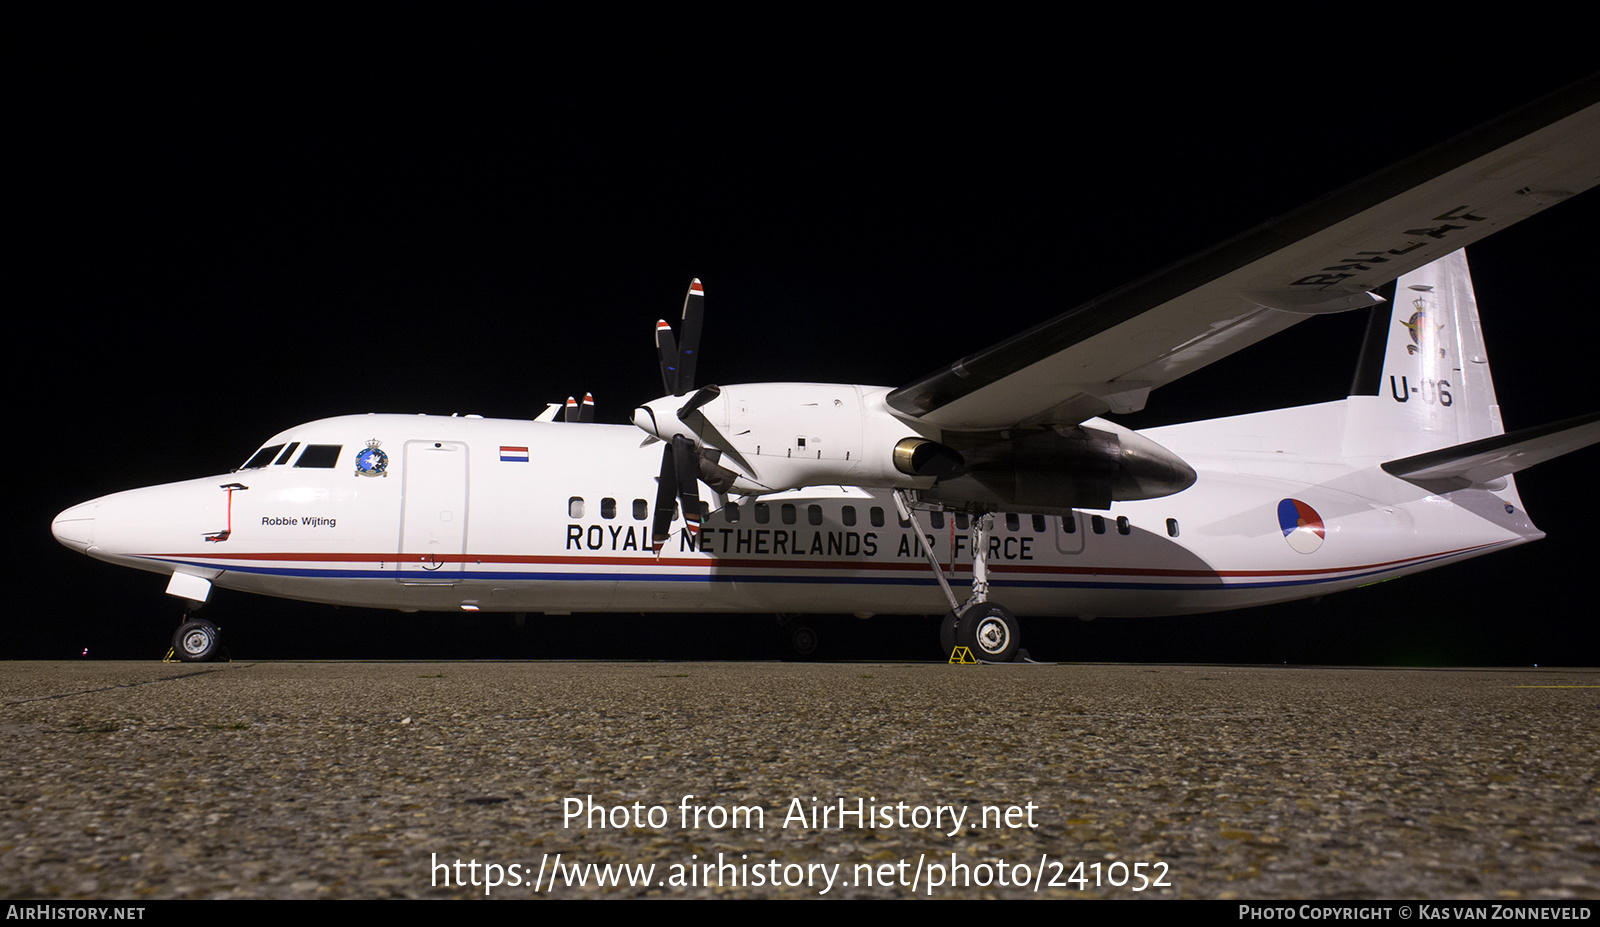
(196, 641)
(804, 643)
(992, 632)
(949, 634)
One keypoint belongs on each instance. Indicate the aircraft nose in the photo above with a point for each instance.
(74, 527)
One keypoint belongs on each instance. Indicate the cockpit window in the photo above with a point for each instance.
(263, 457)
(321, 456)
(287, 453)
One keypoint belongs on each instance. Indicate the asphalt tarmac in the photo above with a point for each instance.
(521, 780)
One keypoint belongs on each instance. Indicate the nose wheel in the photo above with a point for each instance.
(196, 641)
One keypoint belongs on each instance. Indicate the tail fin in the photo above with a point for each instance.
(1423, 382)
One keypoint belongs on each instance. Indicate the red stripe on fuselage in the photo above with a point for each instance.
(648, 560)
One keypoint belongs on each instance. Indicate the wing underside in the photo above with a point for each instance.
(1108, 354)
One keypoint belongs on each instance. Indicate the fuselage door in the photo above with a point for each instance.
(433, 513)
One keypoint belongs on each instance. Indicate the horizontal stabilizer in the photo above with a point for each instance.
(549, 413)
(1478, 462)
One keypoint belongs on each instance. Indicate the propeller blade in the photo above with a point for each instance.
(686, 460)
(667, 349)
(666, 486)
(693, 314)
(570, 412)
(713, 438)
(586, 408)
(704, 395)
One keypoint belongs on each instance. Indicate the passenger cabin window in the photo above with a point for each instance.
(961, 521)
(730, 513)
(787, 513)
(1098, 524)
(575, 507)
(641, 510)
(848, 516)
(1013, 522)
(876, 516)
(263, 457)
(763, 513)
(1122, 525)
(1038, 524)
(1069, 524)
(1172, 527)
(814, 514)
(320, 456)
(936, 519)
(608, 508)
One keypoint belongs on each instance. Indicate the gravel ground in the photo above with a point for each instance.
(372, 780)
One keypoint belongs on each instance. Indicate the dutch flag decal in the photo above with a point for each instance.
(1301, 525)
(513, 454)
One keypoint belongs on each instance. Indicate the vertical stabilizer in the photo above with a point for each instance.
(1423, 382)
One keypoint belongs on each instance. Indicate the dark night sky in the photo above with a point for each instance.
(212, 259)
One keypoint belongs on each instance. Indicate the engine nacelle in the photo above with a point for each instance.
(769, 437)
(1054, 470)
(775, 436)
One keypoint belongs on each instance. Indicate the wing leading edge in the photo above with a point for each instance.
(1106, 355)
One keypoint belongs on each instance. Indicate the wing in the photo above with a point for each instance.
(1108, 354)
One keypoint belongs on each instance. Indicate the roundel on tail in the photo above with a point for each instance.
(1301, 525)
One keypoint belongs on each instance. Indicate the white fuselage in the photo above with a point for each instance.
(500, 515)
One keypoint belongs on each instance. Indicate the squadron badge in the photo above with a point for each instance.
(1425, 336)
(372, 462)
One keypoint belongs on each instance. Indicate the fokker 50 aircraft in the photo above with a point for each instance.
(824, 498)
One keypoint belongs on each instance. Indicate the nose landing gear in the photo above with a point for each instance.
(196, 641)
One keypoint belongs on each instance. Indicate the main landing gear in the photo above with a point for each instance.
(988, 630)
(800, 639)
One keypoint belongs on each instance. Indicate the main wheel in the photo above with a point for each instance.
(196, 641)
(798, 638)
(949, 633)
(803, 641)
(992, 632)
